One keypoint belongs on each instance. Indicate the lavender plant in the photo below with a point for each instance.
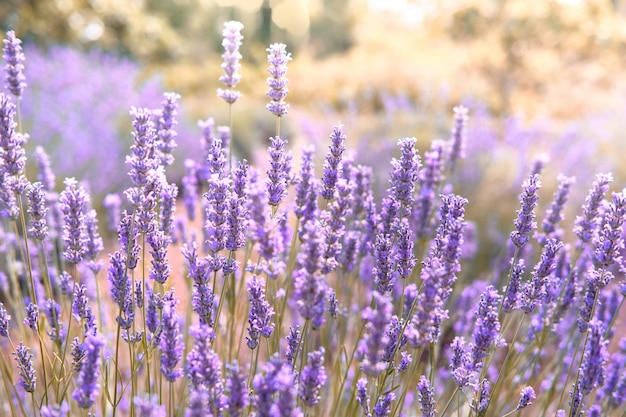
(300, 295)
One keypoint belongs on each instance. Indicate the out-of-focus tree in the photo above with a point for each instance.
(528, 50)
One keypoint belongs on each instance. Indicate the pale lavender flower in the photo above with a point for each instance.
(277, 174)
(37, 210)
(142, 159)
(594, 411)
(45, 175)
(112, 203)
(511, 298)
(405, 173)
(231, 56)
(460, 362)
(482, 399)
(87, 385)
(261, 313)
(24, 359)
(236, 390)
(238, 216)
(73, 201)
(168, 207)
(586, 225)
(458, 136)
(190, 189)
(524, 224)
(333, 169)
(430, 176)
(405, 360)
(148, 407)
(277, 81)
(609, 242)
(526, 398)
(127, 236)
(313, 378)
(14, 64)
(550, 225)
(535, 290)
(198, 405)
(171, 341)
(306, 196)
(166, 135)
(383, 270)
(426, 397)
(55, 410)
(404, 257)
(78, 352)
(52, 311)
(371, 349)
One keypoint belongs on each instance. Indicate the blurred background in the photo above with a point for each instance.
(544, 82)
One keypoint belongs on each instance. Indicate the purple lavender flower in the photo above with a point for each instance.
(487, 326)
(204, 368)
(161, 268)
(78, 352)
(371, 349)
(429, 178)
(45, 175)
(609, 241)
(511, 298)
(168, 207)
(334, 223)
(395, 341)
(460, 362)
(524, 223)
(383, 405)
(112, 202)
(306, 196)
(333, 303)
(55, 410)
(405, 173)
(142, 159)
(236, 390)
(14, 67)
(594, 411)
(73, 201)
(52, 311)
(535, 290)
(592, 368)
(275, 391)
(425, 323)
(231, 56)
(32, 315)
(585, 225)
(12, 158)
(313, 378)
(190, 189)
(595, 280)
(260, 315)
(166, 135)
(277, 174)
(361, 396)
(405, 360)
(333, 169)
(293, 342)
(37, 210)
(426, 397)
(24, 359)
(215, 225)
(149, 407)
(482, 392)
(198, 403)
(277, 82)
(87, 386)
(171, 340)
(526, 398)
(238, 216)
(458, 136)
(549, 226)
(383, 269)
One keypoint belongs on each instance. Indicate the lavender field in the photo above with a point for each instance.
(172, 277)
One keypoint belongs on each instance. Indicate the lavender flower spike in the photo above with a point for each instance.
(487, 327)
(37, 210)
(524, 223)
(426, 396)
(313, 378)
(458, 135)
(5, 319)
(260, 316)
(166, 134)
(73, 201)
(87, 385)
(170, 344)
(527, 396)
(585, 225)
(277, 82)
(24, 359)
(277, 173)
(231, 56)
(371, 349)
(383, 406)
(333, 168)
(14, 68)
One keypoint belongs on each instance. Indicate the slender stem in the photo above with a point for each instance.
(345, 375)
(454, 394)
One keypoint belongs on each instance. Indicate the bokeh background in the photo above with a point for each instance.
(544, 82)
